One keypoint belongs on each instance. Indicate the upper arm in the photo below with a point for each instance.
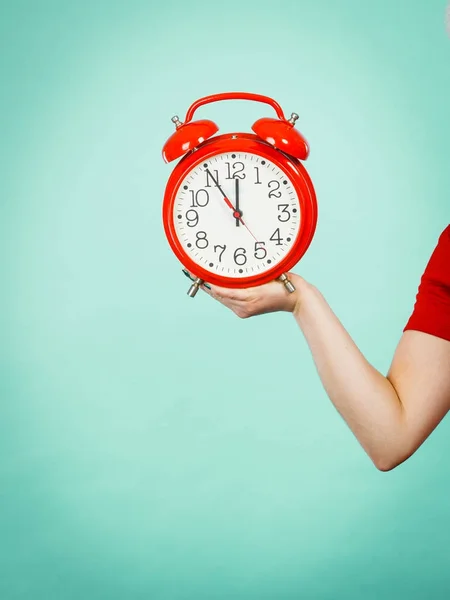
(420, 374)
(420, 370)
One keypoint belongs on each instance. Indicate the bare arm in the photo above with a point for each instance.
(390, 416)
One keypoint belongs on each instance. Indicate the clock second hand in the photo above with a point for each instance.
(236, 213)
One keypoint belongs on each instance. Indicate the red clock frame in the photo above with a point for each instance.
(244, 142)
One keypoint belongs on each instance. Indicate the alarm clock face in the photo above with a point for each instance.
(236, 214)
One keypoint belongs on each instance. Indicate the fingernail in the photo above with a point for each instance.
(187, 274)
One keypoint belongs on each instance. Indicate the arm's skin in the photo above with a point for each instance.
(390, 416)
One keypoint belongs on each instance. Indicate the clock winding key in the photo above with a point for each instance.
(195, 287)
(287, 283)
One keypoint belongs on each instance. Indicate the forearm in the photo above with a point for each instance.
(363, 396)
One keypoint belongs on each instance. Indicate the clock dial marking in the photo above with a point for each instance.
(215, 232)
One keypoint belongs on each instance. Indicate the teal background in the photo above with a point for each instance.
(134, 463)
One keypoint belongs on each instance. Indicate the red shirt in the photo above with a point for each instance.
(431, 312)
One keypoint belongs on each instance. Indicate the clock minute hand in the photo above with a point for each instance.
(227, 201)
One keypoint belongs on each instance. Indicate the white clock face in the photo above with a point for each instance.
(237, 214)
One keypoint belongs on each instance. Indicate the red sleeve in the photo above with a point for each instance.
(431, 313)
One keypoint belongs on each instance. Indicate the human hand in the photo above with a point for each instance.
(259, 300)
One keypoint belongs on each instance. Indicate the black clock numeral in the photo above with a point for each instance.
(201, 242)
(276, 237)
(240, 257)
(260, 251)
(257, 175)
(200, 198)
(274, 186)
(284, 212)
(224, 247)
(208, 178)
(238, 168)
(192, 217)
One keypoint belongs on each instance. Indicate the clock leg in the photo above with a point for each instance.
(195, 287)
(287, 283)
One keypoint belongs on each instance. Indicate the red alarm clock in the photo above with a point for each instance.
(239, 209)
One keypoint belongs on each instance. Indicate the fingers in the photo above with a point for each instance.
(245, 303)
(234, 294)
(242, 308)
(224, 295)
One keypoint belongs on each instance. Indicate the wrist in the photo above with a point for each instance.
(303, 289)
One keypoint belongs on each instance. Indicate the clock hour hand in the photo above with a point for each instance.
(236, 200)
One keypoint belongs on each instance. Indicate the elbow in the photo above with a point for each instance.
(388, 462)
(386, 465)
(393, 450)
